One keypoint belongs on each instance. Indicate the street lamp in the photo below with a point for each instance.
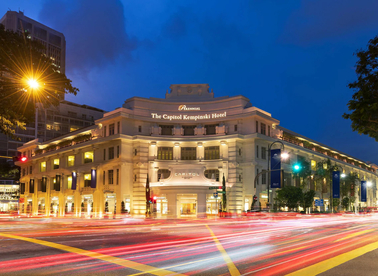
(33, 83)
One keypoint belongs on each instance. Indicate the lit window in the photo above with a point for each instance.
(313, 165)
(49, 127)
(87, 180)
(69, 182)
(88, 157)
(56, 164)
(70, 160)
(43, 166)
(73, 128)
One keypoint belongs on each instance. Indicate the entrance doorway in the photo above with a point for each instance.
(187, 205)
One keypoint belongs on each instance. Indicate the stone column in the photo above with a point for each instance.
(172, 205)
(201, 208)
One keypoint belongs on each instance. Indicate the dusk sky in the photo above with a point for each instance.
(293, 59)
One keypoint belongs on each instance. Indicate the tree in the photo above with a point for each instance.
(364, 103)
(289, 196)
(224, 198)
(345, 203)
(27, 77)
(323, 172)
(308, 198)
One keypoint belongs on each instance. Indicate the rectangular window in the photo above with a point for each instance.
(269, 131)
(104, 154)
(70, 161)
(110, 177)
(188, 153)
(84, 116)
(212, 153)
(111, 153)
(56, 164)
(139, 128)
(69, 182)
(263, 178)
(313, 165)
(103, 178)
(165, 153)
(23, 172)
(31, 169)
(111, 129)
(235, 128)
(211, 129)
(257, 126)
(257, 151)
(263, 128)
(117, 177)
(43, 166)
(166, 130)
(188, 130)
(87, 180)
(88, 157)
(118, 127)
(263, 153)
(117, 151)
(104, 131)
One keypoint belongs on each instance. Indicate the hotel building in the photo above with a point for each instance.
(182, 145)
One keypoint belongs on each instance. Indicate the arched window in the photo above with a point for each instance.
(163, 174)
(212, 174)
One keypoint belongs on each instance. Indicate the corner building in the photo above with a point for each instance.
(182, 145)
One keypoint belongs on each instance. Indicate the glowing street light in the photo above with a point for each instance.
(369, 183)
(33, 83)
(343, 175)
(284, 155)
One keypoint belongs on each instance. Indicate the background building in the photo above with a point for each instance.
(53, 40)
(182, 145)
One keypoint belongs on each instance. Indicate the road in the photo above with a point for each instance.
(337, 245)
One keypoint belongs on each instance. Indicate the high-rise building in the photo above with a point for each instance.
(54, 41)
(53, 121)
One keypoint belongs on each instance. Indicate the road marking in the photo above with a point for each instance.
(335, 261)
(354, 235)
(95, 255)
(231, 266)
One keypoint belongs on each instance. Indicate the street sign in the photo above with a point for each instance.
(216, 188)
(221, 192)
(215, 195)
(319, 202)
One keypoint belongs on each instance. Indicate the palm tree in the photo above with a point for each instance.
(324, 173)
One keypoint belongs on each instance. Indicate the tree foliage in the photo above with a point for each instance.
(304, 173)
(364, 102)
(308, 198)
(289, 196)
(22, 60)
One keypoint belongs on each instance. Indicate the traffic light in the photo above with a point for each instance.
(23, 159)
(297, 167)
(154, 199)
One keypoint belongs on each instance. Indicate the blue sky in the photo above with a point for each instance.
(293, 59)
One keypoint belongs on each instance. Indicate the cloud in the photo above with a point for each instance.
(316, 20)
(95, 32)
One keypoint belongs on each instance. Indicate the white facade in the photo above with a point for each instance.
(184, 143)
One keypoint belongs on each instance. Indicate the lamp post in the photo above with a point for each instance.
(283, 155)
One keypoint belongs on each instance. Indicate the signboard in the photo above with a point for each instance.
(216, 188)
(275, 166)
(363, 191)
(319, 202)
(74, 181)
(215, 195)
(221, 192)
(336, 184)
(186, 117)
(21, 200)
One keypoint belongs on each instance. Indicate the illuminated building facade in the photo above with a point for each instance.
(182, 145)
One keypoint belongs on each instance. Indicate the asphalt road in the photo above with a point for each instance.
(262, 246)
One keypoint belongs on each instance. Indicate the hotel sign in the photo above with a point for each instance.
(185, 117)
